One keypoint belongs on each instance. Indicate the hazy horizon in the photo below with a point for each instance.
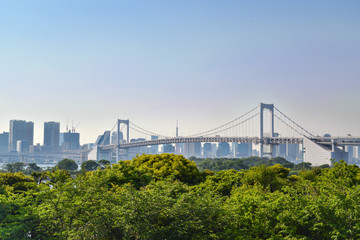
(202, 63)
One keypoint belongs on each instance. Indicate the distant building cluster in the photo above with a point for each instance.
(291, 152)
(18, 143)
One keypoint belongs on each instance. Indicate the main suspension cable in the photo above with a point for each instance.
(205, 133)
(311, 135)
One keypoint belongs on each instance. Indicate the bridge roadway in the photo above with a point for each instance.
(338, 141)
(255, 140)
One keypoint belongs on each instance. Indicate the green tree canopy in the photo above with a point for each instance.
(303, 166)
(17, 182)
(33, 168)
(219, 164)
(103, 163)
(89, 165)
(14, 167)
(169, 165)
(155, 197)
(67, 164)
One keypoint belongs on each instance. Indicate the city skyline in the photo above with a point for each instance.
(202, 63)
(251, 129)
(319, 150)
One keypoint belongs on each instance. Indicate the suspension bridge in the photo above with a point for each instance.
(265, 126)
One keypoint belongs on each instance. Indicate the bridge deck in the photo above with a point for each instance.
(255, 140)
(338, 141)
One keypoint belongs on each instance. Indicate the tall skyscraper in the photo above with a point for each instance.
(114, 137)
(352, 153)
(188, 150)
(192, 149)
(154, 148)
(207, 150)
(70, 140)
(20, 131)
(292, 152)
(197, 149)
(223, 149)
(169, 148)
(244, 150)
(51, 135)
(4, 142)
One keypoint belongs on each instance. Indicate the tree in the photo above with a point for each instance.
(90, 165)
(67, 164)
(39, 176)
(33, 168)
(18, 219)
(103, 163)
(14, 167)
(122, 173)
(17, 182)
(303, 166)
(273, 177)
(222, 182)
(169, 165)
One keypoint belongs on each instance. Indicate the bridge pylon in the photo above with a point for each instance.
(263, 107)
(119, 122)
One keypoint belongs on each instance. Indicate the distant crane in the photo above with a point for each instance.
(74, 128)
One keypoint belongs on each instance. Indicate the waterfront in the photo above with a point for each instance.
(42, 165)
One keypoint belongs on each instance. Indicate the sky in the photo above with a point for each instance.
(200, 62)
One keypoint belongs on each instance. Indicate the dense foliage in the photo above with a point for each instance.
(218, 164)
(166, 197)
(67, 164)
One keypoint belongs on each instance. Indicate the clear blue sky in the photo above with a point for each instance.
(202, 62)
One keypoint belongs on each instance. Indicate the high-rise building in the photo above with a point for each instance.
(234, 149)
(351, 153)
(293, 152)
(4, 142)
(192, 149)
(51, 136)
(114, 137)
(223, 149)
(20, 130)
(244, 150)
(188, 149)
(154, 148)
(356, 152)
(213, 149)
(197, 149)
(179, 148)
(22, 146)
(207, 150)
(70, 140)
(282, 150)
(169, 148)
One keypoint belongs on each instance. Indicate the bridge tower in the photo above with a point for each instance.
(119, 122)
(263, 107)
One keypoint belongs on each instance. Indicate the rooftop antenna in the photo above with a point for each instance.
(67, 125)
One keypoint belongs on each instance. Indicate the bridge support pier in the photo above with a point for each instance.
(338, 154)
(269, 107)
